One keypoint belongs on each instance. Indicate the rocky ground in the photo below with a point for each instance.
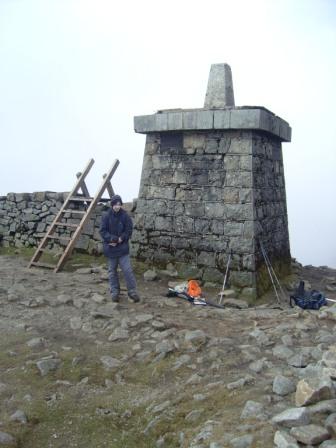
(79, 371)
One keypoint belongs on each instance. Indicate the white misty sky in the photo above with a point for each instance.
(75, 72)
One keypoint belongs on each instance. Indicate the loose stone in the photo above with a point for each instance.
(292, 417)
(283, 440)
(313, 390)
(6, 439)
(110, 363)
(253, 409)
(19, 416)
(242, 441)
(283, 386)
(48, 365)
(310, 434)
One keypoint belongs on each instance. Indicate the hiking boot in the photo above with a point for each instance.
(134, 297)
(115, 298)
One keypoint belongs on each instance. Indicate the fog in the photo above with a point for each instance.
(75, 72)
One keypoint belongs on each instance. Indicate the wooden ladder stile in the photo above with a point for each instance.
(73, 196)
(106, 185)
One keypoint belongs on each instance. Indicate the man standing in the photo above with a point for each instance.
(116, 229)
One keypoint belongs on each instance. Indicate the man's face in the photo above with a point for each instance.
(116, 207)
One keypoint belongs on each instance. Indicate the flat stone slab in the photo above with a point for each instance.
(292, 417)
(246, 117)
(310, 434)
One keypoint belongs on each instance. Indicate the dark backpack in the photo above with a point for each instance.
(308, 300)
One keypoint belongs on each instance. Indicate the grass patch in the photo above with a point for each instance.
(24, 252)
(77, 259)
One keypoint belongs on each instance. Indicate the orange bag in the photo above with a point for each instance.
(194, 289)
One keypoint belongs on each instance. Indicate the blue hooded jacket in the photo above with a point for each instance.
(114, 226)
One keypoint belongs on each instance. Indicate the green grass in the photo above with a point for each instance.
(77, 259)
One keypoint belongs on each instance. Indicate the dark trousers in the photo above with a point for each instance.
(125, 264)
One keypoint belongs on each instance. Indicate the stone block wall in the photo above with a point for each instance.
(203, 194)
(270, 209)
(24, 218)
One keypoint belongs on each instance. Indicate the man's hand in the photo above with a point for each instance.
(120, 240)
(113, 244)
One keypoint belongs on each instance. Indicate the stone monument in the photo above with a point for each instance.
(213, 184)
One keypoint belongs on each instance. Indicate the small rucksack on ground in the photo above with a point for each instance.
(308, 300)
(194, 289)
(190, 291)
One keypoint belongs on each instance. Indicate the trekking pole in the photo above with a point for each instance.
(269, 271)
(273, 272)
(225, 277)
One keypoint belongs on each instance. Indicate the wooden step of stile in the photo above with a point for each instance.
(80, 199)
(58, 237)
(79, 212)
(66, 224)
(43, 265)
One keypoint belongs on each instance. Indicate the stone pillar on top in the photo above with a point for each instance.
(220, 88)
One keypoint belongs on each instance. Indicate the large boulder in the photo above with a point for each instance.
(313, 390)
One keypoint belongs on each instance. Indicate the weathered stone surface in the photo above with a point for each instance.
(310, 434)
(76, 323)
(242, 442)
(328, 444)
(253, 409)
(98, 298)
(283, 440)
(282, 352)
(6, 439)
(28, 215)
(48, 365)
(292, 417)
(220, 87)
(37, 343)
(329, 357)
(248, 379)
(298, 360)
(235, 303)
(283, 386)
(19, 416)
(165, 347)
(197, 337)
(119, 334)
(330, 424)
(258, 365)
(110, 363)
(198, 119)
(150, 275)
(322, 407)
(260, 337)
(313, 390)
(64, 299)
(142, 319)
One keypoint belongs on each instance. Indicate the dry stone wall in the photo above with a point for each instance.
(25, 217)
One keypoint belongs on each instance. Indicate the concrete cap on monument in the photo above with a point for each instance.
(220, 88)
